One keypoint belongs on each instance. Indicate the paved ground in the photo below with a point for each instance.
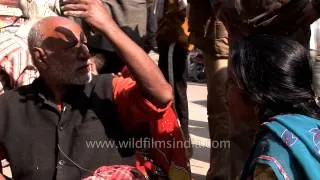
(198, 127)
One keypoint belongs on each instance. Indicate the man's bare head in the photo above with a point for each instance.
(58, 48)
(52, 27)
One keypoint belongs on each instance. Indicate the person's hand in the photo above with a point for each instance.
(92, 11)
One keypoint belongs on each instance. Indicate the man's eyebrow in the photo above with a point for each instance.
(72, 39)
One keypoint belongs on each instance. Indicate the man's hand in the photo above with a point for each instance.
(93, 12)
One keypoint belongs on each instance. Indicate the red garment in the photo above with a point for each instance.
(138, 114)
(134, 111)
(171, 157)
(125, 72)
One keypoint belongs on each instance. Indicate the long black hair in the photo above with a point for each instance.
(275, 74)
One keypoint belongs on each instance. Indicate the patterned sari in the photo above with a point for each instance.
(288, 147)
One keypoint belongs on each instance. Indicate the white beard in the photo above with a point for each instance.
(81, 80)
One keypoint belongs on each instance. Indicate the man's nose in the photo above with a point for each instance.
(84, 52)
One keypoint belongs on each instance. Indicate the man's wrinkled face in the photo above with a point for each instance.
(68, 56)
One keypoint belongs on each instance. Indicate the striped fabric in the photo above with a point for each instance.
(116, 172)
(16, 61)
(11, 3)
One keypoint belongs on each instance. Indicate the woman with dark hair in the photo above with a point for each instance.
(270, 88)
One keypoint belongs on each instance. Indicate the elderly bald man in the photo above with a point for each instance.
(46, 126)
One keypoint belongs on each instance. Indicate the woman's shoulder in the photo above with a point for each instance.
(272, 159)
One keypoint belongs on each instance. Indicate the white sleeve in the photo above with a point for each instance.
(182, 4)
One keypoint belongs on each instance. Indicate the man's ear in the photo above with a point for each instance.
(40, 57)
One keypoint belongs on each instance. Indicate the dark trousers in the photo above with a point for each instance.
(150, 41)
(180, 81)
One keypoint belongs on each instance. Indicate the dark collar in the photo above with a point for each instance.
(40, 89)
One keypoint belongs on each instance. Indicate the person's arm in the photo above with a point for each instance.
(148, 76)
(134, 111)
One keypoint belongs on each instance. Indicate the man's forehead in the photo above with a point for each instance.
(63, 37)
(62, 27)
(69, 35)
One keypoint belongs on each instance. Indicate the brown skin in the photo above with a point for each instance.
(239, 105)
(148, 76)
